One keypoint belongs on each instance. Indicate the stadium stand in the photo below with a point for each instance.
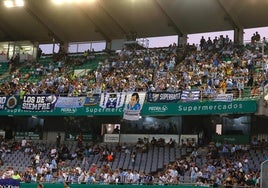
(218, 67)
(211, 71)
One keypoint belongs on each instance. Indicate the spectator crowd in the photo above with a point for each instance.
(218, 66)
(217, 164)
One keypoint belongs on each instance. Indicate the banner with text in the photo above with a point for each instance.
(27, 135)
(159, 97)
(38, 102)
(199, 108)
(224, 97)
(42, 105)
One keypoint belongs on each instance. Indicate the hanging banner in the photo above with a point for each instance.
(38, 102)
(224, 97)
(42, 105)
(92, 99)
(199, 108)
(159, 97)
(112, 100)
(70, 102)
(8, 102)
(71, 136)
(190, 95)
(133, 105)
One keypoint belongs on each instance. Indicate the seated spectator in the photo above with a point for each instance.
(90, 179)
(140, 145)
(110, 157)
(255, 91)
(73, 155)
(125, 148)
(255, 142)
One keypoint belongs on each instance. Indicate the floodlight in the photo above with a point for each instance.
(58, 1)
(13, 3)
(9, 3)
(19, 3)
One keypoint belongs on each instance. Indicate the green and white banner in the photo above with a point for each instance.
(148, 109)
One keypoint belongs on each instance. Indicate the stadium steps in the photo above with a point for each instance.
(154, 159)
(121, 161)
(138, 161)
(143, 162)
(127, 163)
(116, 160)
(172, 154)
(149, 160)
(166, 155)
(160, 164)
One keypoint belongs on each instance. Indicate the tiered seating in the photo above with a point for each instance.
(3, 67)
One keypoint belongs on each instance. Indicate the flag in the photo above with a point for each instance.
(112, 100)
(190, 95)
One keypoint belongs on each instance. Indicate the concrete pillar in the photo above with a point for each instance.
(239, 36)
(35, 50)
(182, 40)
(64, 46)
(108, 45)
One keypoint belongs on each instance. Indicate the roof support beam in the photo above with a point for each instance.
(10, 33)
(35, 12)
(169, 19)
(112, 18)
(238, 28)
(235, 24)
(6, 32)
(97, 28)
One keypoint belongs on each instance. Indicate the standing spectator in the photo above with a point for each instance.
(202, 43)
(39, 53)
(79, 140)
(133, 159)
(23, 143)
(58, 139)
(257, 37)
(240, 87)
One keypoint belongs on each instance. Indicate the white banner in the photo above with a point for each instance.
(224, 97)
(191, 95)
(111, 138)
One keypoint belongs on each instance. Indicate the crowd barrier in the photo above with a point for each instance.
(9, 182)
(47, 185)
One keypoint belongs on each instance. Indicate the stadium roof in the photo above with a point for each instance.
(41, 20)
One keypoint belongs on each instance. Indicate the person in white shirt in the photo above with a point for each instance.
(23, 142)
